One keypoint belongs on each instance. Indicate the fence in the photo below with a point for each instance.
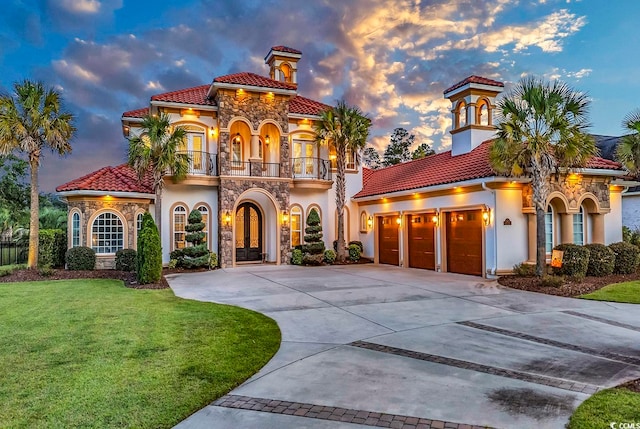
(13, 253)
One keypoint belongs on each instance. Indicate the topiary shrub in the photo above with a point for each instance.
(126, 260)
(524, 270)
(330, 256)
(313, 259)
(601, 260)
(359, 244)
(196, 255)
(313, 238)
(149, 252)
(575, 260)
(626, 257)
(80, 258)
(354, 252)
(296, 257)
(52, 247)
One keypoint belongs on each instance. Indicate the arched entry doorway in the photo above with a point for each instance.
(248, 233)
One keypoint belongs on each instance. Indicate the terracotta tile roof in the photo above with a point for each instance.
(252, 79)
(474, 79)
(285, 49)
(121, 178)
(138, 113)
(195, 95)
(440, 169)
(306, 106)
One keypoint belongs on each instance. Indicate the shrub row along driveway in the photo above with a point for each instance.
(383, 346)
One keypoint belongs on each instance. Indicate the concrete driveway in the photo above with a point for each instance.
(379, 346)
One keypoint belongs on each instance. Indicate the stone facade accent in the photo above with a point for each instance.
(230, 191)
(573, 188)
(127, 208)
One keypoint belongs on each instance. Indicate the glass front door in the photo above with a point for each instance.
(248, 233)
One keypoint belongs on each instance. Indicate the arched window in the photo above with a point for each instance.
(107, 233)
(461, 114)
(363, 221)
(179, 223)
(236, 148)
(138, 222)
(285, 72)
(578, 227)
(204, 211)
(482, 112)
(75, 229)
(548, 230)
(296, 226)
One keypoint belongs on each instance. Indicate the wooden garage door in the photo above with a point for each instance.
(421, 241)
(464, 242)
(388, 243)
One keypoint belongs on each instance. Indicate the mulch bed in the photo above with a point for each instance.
(128, 278)
(633, 385)
(571, 288)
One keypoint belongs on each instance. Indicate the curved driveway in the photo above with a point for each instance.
(379, 346)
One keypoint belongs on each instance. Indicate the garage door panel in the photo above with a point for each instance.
(464, 242)
(421, 242)
(388, 241)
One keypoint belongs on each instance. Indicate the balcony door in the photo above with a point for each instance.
(304, 158)
(248, 233)
(195, 147)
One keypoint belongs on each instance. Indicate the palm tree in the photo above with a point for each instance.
(541, 127)
(347, 128)
(32, 119)
(628, 151)
(156, 150)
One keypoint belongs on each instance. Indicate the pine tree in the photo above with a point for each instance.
(422, 151)
(371, 158)
(398, 149)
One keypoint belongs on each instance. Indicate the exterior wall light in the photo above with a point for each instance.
(267, 140)
(126, 130)
(227, 218)
(285, 217)
(435, 219)
(370, 222)
(486, 217)
(399, 220)
(237, 137)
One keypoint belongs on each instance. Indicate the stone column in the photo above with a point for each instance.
(531, 229)
(597, 231)
(255, 148)
(566, 228)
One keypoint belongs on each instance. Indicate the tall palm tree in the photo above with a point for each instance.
(541, 127)
(156, 150)
(628, 151)
(31, 120)
(347, 128)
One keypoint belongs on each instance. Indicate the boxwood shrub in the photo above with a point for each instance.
(626, 257)
(296, 257)
(601, 260)
(575, 260)
(52, 247)
(126, 260)
(80, 258)
(354, 252)
(329, 256)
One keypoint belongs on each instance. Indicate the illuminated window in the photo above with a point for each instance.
(75, 230)
(236, 149)
(204, 211)
(285, 72)
(578, 227)
(350, 160)
(296, 226)
(179, 223)
(107, 233)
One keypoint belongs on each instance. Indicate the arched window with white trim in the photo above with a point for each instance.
(107, 233)
(179, 223)
(296, 226)
(578, 227)
(204, 211)
(548, 229)
(75, 229)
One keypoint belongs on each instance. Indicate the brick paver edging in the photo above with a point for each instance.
(602, 320)
(321, 412)
(472, 366)
(559, 344)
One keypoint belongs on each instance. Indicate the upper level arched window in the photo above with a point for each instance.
(285, 72)
(482, 112)
(461, 114)
(236, 148)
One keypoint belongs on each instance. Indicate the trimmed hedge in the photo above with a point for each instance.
(149, 252)
(359, 244)
(626, 257)
(354, 252)
(575, 260)
(52, 248)
(601, 260)
(126, 260)
(330, 256)
(296, 257)
(80, 258)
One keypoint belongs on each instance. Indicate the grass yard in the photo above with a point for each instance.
(612, 405)
(93, 353)
(620, 292)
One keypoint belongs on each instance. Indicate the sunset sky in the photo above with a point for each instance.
(391, 58)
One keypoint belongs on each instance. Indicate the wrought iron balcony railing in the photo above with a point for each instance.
(311, 168)
(202, 163)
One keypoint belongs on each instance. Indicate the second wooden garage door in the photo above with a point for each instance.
(464, 242)
(388, 242)
(421, 241)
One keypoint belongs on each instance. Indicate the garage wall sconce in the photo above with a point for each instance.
(227, 218)
(399, 220)
(435, 219)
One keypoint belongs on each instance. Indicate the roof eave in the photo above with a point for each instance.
(303, 116)
(235, 86)
(94, 193)
(184, 105)
(473, 85)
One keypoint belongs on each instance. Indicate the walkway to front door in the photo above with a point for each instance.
(248, 233)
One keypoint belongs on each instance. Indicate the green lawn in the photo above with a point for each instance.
(93, 353)
(613, 405)
(619, 292)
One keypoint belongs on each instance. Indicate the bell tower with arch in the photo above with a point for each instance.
(472, 112)
(283, 64)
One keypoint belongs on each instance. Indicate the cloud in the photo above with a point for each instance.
(80, 6)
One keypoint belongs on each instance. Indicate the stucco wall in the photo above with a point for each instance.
(631, 211)
(613, 219)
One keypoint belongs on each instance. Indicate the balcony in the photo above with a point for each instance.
(254, 169)
(202, 163)
(311, 168)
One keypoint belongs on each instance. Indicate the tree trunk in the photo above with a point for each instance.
(340, 197)
(541, 253)
(158, 210)
(540, 187)
(34, 222)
